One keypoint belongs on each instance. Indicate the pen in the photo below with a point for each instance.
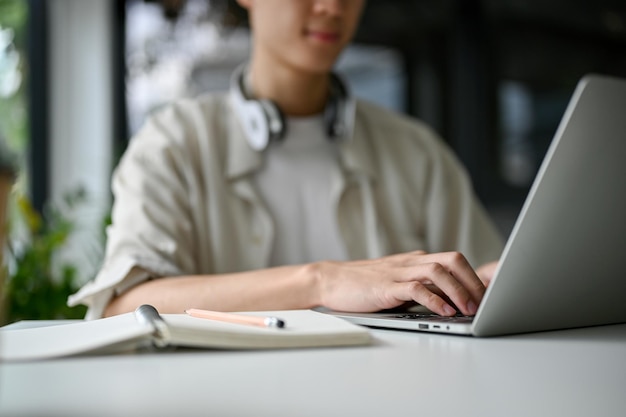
(236, 318)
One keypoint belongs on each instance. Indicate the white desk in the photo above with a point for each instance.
(568, 373)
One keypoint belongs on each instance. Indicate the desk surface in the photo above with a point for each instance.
(578, 372)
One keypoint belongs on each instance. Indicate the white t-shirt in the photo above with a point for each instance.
(295, 184)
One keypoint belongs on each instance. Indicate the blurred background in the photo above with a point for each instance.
(78, 77)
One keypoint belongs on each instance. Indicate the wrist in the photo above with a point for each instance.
(312, 276)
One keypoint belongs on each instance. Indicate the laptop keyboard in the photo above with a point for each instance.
(458, 318)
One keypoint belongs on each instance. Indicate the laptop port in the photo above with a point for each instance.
(423, 326)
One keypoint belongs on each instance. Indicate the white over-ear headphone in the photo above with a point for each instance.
(264, 122)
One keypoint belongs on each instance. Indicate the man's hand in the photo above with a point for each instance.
(388, 282)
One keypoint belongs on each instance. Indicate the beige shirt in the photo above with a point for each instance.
(185, 202)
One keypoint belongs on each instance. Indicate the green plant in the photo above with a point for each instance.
(14, 75)
(38, 283)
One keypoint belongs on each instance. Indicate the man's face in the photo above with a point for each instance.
(307, 35)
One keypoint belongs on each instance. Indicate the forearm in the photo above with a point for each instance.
(287, 287)
(433, 280)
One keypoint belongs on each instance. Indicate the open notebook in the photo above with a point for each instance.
(146, 328)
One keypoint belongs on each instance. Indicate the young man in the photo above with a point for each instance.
(355, 209)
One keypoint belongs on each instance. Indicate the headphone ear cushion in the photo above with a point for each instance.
(255, 125)
(275, 119)
(262, 120)
(337, 109)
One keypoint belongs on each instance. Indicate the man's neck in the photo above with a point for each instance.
(297, 93)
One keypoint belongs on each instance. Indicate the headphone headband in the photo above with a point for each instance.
(263, 121)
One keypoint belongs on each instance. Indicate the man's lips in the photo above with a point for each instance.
(323, 36)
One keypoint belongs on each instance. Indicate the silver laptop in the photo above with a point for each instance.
(564, 265)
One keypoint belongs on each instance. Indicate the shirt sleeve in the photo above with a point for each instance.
(151, 234)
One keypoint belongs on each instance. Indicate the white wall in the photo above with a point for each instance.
(81, 117)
